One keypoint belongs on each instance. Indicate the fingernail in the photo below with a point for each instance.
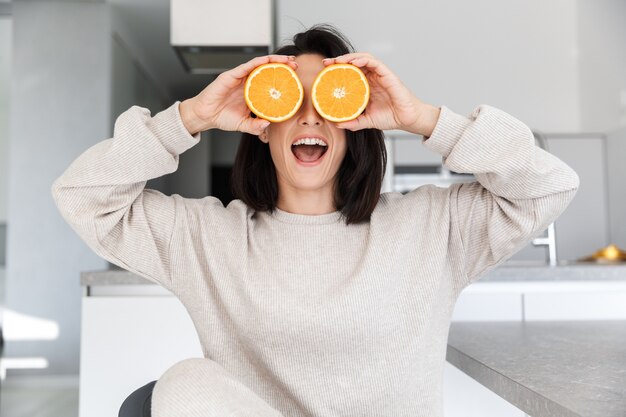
(265, 124)
(325, 59)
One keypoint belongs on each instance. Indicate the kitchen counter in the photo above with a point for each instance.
(514, 272)
(547, 368)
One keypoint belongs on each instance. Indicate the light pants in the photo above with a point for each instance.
(200, 387)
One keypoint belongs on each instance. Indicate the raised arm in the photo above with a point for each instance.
(520, 188)
(101, 194)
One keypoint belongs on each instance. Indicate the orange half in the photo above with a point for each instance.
(340, 92)
(273, 92)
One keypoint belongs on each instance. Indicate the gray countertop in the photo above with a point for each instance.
(112, 277)
(547, 369)
(505, 273)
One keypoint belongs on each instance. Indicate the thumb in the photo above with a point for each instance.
(359, 123)
(254, 126)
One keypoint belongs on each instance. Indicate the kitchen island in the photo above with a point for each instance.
(132, 330)
(547, 368)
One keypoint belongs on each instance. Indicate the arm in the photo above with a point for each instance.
(520, 188)
(101, 194)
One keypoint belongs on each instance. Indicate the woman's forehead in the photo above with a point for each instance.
(309, 64)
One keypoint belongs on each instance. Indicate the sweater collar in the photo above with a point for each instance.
(287, 217)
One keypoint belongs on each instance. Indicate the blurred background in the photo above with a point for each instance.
(69, 68)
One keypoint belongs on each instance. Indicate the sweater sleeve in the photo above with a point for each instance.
(520, 188)
(101, 194)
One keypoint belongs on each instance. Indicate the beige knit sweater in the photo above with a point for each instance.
(316, 317)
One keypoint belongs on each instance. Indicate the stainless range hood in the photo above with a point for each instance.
(212, 36)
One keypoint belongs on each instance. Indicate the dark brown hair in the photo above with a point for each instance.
(359, 178)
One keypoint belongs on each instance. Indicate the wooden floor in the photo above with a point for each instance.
(39, 397)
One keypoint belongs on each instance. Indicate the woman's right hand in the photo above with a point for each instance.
(221, 105)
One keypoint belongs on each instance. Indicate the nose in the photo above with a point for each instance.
(308, 116)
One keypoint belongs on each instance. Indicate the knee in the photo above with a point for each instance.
(191, 369)
(202, 387)
(187, 365)
(187, 385)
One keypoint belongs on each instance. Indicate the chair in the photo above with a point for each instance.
(137, 404)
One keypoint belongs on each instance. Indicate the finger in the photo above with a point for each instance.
(346, 58)
(370, 64)
(365, 61)
(384, 76)
(254, 126)
(342, 59)
(244, 69)
(361, 122)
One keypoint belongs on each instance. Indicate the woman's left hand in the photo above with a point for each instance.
(391, 104)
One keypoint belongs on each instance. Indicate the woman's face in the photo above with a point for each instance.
(292, 175)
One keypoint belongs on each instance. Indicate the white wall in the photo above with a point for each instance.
(193, 176)
(73, 75)
(60, 106)
(517, 55)
(602, 39)
(6, 28)
(133, 82)
(6, 25)
(224, 147)
(132, 85)
(520, 56)
(616, 152)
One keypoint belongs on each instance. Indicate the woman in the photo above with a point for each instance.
(312, 293)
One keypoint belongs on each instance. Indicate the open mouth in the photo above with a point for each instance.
(309, 149)
(308, 153)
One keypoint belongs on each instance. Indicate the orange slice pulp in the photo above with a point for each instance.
(273, 92)
(340, 92)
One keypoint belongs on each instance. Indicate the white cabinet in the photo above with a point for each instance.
(573, 305)
(464, 397)
(499, 306)
(126, 342)
(542, 300)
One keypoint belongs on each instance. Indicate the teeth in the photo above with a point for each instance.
(310, 141)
